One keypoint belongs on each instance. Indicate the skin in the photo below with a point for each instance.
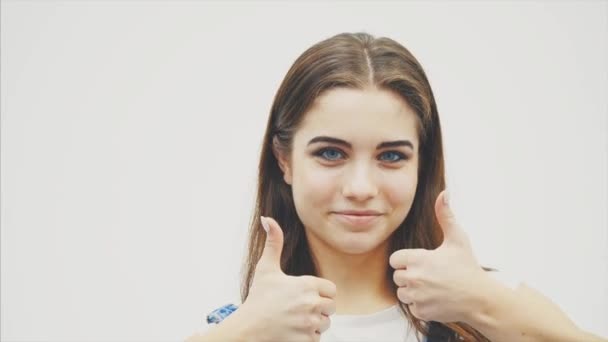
(446, 284)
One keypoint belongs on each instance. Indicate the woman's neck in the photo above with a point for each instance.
(361, 279)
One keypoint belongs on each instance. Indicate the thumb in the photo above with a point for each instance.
(447, 220)
(271, 256)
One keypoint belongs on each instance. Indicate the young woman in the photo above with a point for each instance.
(352, 221)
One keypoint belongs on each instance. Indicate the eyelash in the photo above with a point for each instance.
(320, 153)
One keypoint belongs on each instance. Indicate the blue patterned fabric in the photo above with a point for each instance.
(221, 313)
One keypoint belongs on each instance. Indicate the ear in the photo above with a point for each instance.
(283, 160)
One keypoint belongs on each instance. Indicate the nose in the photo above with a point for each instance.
(359, 183)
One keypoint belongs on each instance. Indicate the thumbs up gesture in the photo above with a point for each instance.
(439, 285)
(282, 307)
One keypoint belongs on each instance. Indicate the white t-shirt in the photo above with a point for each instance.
(388, 325)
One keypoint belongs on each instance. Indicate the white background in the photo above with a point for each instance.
(131, 133)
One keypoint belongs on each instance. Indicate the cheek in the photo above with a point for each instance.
(400, 189)
(314, 187)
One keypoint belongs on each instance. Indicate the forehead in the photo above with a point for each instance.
(360, 116)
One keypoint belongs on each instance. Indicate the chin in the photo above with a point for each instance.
(347, 240)
(356, 244)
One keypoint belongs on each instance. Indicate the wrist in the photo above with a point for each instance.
(484, 301)
(238, 327)
(243, 326)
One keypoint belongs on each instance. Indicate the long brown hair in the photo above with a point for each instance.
(353, 60)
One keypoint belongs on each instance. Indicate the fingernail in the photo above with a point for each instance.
(446, 197)
(264, 224)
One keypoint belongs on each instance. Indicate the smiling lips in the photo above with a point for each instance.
(358, 218)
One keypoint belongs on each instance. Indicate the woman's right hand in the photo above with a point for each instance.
(286, 308)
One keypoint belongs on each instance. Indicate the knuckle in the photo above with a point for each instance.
(332, 287)
(406, 295)
(421, 312)
(317, 306)
(395, 259)
(399, 277)
(309, 323)
(331, 307)
(308, 304)
(413, 278)
(401, 294)
(417, 254)
(325, 323)
(308, 282)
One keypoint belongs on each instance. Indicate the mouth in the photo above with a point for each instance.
(359, 212)
(357, 219)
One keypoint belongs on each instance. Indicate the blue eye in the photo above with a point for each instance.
(329, 153)
(394, 156)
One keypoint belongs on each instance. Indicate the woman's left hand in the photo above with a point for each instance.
(442, 284)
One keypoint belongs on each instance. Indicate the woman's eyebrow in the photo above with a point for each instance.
(329, 140)
(395, 143)
(337, 141)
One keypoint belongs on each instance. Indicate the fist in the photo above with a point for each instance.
(282, 307)
(439, 285)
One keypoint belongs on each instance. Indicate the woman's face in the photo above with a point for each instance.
(353, 168)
